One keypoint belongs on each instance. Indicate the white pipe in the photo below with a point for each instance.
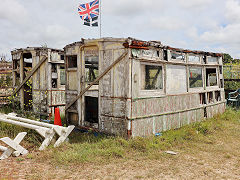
(29, 126)
(32, 122)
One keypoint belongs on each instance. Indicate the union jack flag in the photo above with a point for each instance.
(89, 13)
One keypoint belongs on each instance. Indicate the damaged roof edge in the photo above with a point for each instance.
(140, 44)
(36, 49)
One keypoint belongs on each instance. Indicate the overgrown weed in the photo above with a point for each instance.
(98, 148)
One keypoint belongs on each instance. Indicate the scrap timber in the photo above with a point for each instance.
(151, 88)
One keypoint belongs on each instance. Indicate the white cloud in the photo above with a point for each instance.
(195, 4)
(233, 10)
(194, 24)
(167, 23)
(13, 11)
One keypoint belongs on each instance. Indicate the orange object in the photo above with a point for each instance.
(57, 118)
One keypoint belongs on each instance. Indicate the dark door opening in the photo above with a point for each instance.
(28, 96)
(91, 109)
(27, 59)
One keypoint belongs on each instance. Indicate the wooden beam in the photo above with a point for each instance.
(29, 76)
(96, 80)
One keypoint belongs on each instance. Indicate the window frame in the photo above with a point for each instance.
(177, 60)
(200, 58)
(194, 89)
(217, 76)
(217, 62)
(151, 92)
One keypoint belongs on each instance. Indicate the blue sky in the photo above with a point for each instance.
(209, 25)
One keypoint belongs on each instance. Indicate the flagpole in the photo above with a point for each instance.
(100, 26)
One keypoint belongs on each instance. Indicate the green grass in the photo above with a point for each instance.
(87, 148)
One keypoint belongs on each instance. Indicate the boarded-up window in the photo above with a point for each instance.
(176, 79)
(177, 56)
(211, 77)
(195, 77)
(62, 75)
(152, 77)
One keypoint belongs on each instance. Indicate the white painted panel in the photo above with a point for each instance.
(176, 79)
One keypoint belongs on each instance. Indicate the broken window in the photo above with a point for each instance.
(152, 77)
(211, 77)
(221, 69)
(72, 61)
(91, 68)
(27, 58)
(202, 98)
(16, 64)
(221, 83)
(54, 83)
(211, 59)
(195, 77)
(210, 97)
(165, 55)
(54, 68)
(177, 56)
(62, 75)
(193, 58)
(217, 95)
(54, 75)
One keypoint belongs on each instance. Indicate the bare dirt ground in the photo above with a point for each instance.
(216, 157)
(212, 161)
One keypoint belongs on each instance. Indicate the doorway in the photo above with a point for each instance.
(91, 110)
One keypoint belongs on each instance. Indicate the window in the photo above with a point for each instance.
(202, 98)
(54, 68)
(212, 59)
(217, 95)
(210, 97)
(91, 68)
(193, 58)
(211, 77)
(177, 56)
(152, 78)
(195, 77)
(165, 55)
(72, 61)
(54, 83)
